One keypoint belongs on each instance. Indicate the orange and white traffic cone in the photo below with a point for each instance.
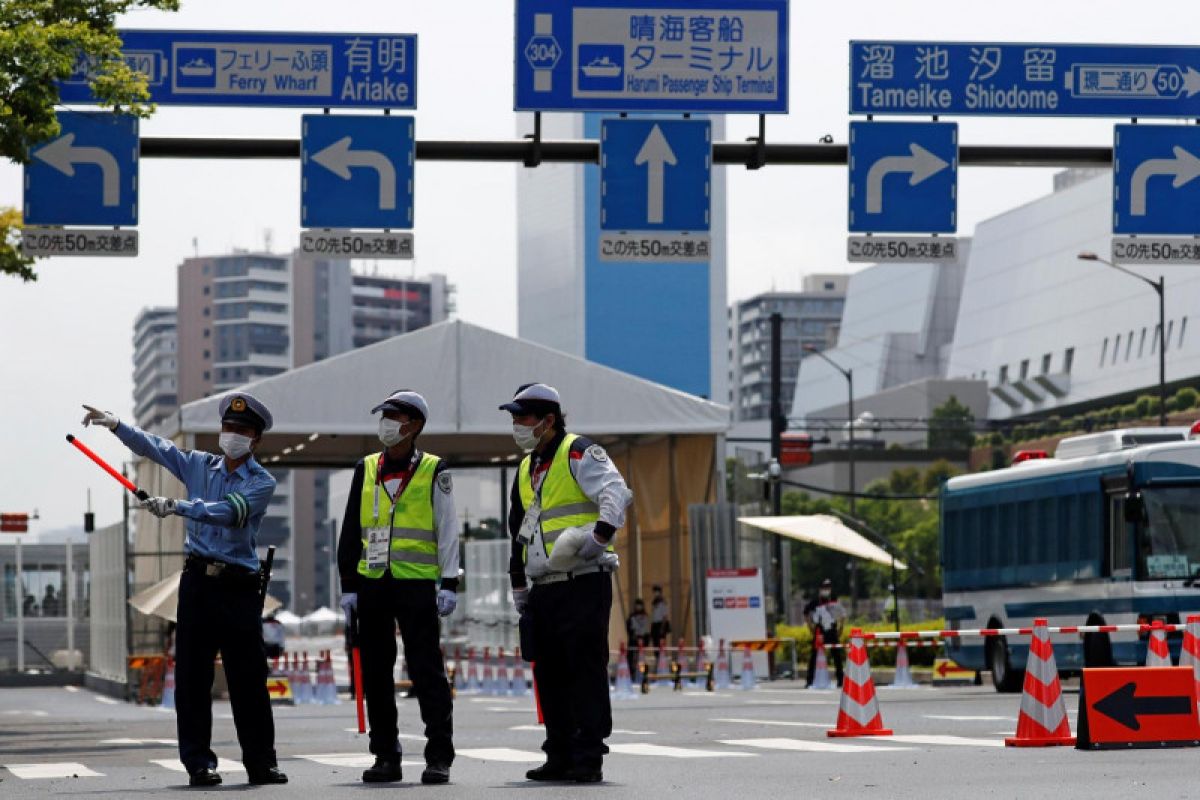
(858, 713)
(903, 678)
(748, 677)
(821, 668)
(663, 667)
(723, 680)
(168, 692)
(623, 687)
(519, 687)
(473, 684)
(1189, 653)
(1043, 721)
(1158, 654)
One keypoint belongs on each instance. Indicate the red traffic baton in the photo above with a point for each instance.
(104, 465)
(356, 657)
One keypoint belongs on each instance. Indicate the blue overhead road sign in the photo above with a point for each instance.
(655, 174)
(903, 177)
(640, 55)
(1155, 186)
(356, 172)
(239, 68)
(87, 175)
(1024, 79)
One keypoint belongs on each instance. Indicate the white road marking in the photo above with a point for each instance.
(63, 769)
(502, 754)
(108, 701)
(792, 703)
(969, 718)
(25, 712)
(71, 688)
(350, 760)
(961, 741)
(529, 728)
(139, 742)
(500, 710)
(223, 765)
(810, 746)
(491, 700)
(643, 749)
(632, 733)
(772, 722)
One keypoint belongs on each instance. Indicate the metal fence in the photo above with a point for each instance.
(109, 573)
(44, 606)
(491, 620)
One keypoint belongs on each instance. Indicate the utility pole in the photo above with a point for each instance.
(773, 472)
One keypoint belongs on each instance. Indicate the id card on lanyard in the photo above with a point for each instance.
(529, 524)
(378, 539)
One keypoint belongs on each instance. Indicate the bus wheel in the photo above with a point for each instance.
(1097, 647)
(1006, 679)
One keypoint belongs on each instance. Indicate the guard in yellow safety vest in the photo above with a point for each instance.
(398, 560)
(567, 502)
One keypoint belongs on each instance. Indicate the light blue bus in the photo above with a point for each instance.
(1106, 532)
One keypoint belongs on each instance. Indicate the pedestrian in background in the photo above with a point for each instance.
(826, 614)
(637, 629)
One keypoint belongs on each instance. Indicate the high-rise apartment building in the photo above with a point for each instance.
(155, 373)
(810, 319)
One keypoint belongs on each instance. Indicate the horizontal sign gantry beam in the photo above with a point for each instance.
(588, 152)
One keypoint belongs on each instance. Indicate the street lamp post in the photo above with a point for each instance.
(1159, 286)
(849, 376)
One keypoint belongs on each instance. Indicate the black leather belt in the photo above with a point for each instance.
(213, 568)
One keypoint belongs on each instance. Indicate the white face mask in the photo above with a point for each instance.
(525, 437)
(389, 432)
(234, 445)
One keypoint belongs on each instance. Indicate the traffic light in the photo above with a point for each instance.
(89, 522)
(14, 523)
(795, 449)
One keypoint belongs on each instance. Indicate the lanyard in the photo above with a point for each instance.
(404, 480)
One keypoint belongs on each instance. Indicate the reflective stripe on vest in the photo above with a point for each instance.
(564, 505)
(412, 551)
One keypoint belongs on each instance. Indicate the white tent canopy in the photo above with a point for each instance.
(162, 599)
(824, 531)
(323, 411)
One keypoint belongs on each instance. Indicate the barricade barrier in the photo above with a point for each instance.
(676, 676)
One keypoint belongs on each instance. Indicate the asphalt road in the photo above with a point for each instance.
(948, 742)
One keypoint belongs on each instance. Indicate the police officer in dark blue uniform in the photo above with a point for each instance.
(220, 608)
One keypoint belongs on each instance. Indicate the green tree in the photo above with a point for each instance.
(950, 426)
(41, 41)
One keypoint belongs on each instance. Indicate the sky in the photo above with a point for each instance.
(67, 339)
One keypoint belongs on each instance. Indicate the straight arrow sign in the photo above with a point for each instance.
(921, 164)
(1183, 168)
(1125, 707)
(63, 155)
(655, 153)
(338, 158)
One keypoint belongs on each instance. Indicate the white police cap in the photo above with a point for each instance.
(533, 398)
(404, 400)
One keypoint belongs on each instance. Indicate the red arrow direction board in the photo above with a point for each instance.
(946, 670)
(1147, 707)
(279, 688)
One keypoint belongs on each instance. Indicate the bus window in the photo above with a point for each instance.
(1169, 543)
(1120, 563)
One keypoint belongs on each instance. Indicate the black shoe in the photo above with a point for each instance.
(437, 772)
(204, 777)
(585, 774)
(267, 775)
(383, 771)
(549, 772)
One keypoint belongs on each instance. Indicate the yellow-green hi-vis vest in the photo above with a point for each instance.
(408, 523)
(564, 505)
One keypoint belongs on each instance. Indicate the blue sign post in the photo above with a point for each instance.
(655, 174)
(231, 68)
(88, 175)
(903, 177)
(356, 171)
(1155, 186)
(999, 79)
(634, 55)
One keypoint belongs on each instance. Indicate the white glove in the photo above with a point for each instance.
(521, 599)
(159, 506)
(349, 604)
(609, 560)
(592, 548)
(447, 601)
(95, 416)
(566, 553)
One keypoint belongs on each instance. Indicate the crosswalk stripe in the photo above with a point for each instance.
(25, 712)
(223, 765)
(140, 742)
(787, 723)
(643, 749)
(810, 746)
(962, 741)
(502, 754)
(61, 769)
(970, 717)
(350, 760)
